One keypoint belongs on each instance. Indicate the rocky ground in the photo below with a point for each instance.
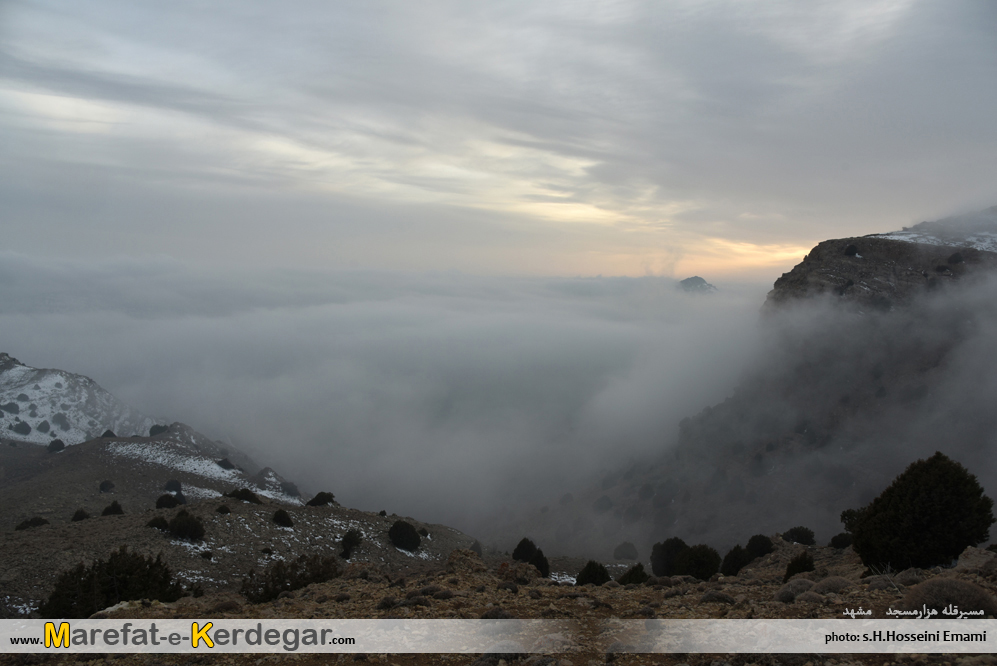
(465, 586)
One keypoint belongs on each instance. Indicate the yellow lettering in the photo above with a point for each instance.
(201, 634)
(58, 638)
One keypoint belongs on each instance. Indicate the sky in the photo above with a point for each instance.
(515, 138)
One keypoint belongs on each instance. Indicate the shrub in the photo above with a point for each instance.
(186, 526)
(539, 560)
(938, 593)
(800, 535)
(736, 559)
(113, 509)
(794, 588)
(831, 584)
(37, 521)
(157, 430)
(802, 562)
(759, 546)
(926, 517)
(594, 573)
(625, 551)
(80, 514)
(699, 561)
(166, 501)
(172, 486)
(11, 408)
(225, 463)
(106, 486)
(476, 547)
(287, 577)
(244, 495)
(382, 513)
(179, 497)
(321, 499)
(159, 523)
(635, 575)
(21, 428)
(524, 551)
(663, 556)
(282, 518)
(603, 504)
(108, 433)
(423, 532)
(82, 591)
(404, 536)
(223, 509)
(840, 541)
(44, 426)
(56, 445)
(349, 542)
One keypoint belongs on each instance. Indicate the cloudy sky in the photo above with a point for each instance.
(555, 138)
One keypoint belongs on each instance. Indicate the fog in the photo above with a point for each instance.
(439, 396)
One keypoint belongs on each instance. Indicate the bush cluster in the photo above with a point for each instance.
(286, 577)
(524, 550)
(80, 514)
(159, 523)
(843, 540)
(799, 564)
(664, 554)
(673, 557)
(56, 445)
(123, 576)
(167, 501)
(157, 430)
(321, 499)
(108, 433)
(187, 526)
(223, 509)
(736, 559)
(404, 535)
(801, 535)
(113, 509)
(539, 560)
(106, 486)
(37, 521)
(925, 518)
(635, 575)
(244, 495)
(349, 542)
(594, 573)
(282, 518)
(759, 546)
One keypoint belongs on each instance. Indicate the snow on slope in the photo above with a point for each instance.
(39, 405)
(976, 230)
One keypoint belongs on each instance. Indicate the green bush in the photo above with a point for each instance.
(167, 501)
(476, 547)
(37, 521)
(800, 535)
(926, 517)
(403, 535)
(625, 551)
(664, 555)
(286, 577)
(736, 559)
(699, 561)
(524, 551)
(799, 564)
(82, 591)
(594, 573)
(157, 430)
(159, 523)
(80, 514)
(321, 499)
(113, 509)
(223, 509)
(349, 542)
(106, 486)
(539, 560)
(186, 526)
(173, 486)
(56, 445)
(635, 575)
(108, 434)
(282, 518)
(244, 495)
(843, 540)
(759, 546)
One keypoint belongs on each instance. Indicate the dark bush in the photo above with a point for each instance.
(594, 573)
(843, 540)
(37, 521)
(524, 551)
(349, 542)
(172, 486)
(113, 509)
(225, 463)
(207, 554)
(759, 546)
(282, 518)
(186, 526)
(423, 532)
(382, 513)
(80, 514)
(940, 593)
(11, 408)
(56, 445)
(223, 509)
(44, 426)
(108, 433)
(404, 536)
(800, 535)
(663, 556)
(124, 576)
(635, 575)
(159, 523)
(179, 496)
(476, 547)
(851, 251)
(699, 561)
(539, 560)
(603, 504)
(926, 517)
(157, 430)
(21, 428)
(736, 559)
(166, 501)
(287, 577)
(625, 551)
(799, 564)
(106, 486)
(244, 495)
